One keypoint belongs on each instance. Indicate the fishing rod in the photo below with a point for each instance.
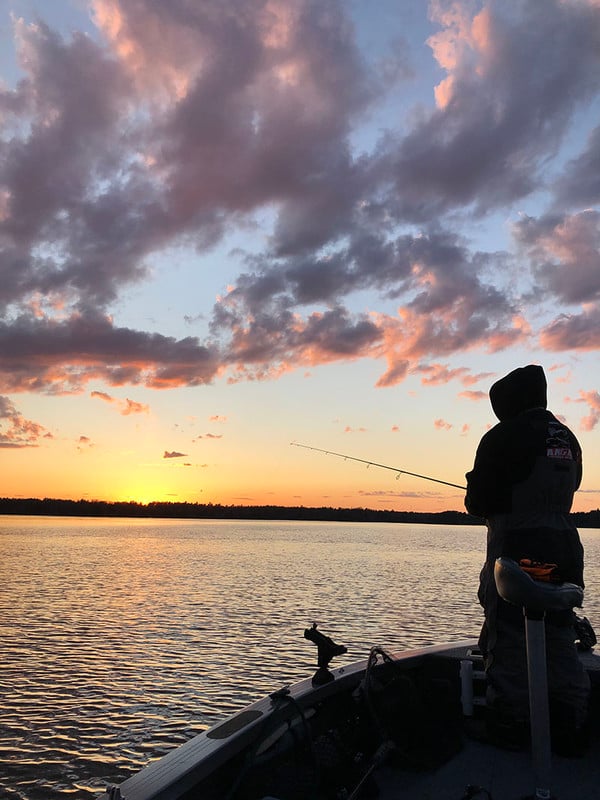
(375, 464)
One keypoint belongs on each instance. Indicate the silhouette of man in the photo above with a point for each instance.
(526, 471)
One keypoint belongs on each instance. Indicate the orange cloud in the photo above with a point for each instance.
(126, 407)
(132, 407)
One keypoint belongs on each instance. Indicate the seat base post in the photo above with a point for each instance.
(538, 703)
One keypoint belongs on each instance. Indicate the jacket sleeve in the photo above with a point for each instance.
(489, 482)
(577, 455)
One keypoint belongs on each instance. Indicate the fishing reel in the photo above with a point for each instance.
(326, 650)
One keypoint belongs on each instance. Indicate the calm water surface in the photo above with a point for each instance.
(123, 638)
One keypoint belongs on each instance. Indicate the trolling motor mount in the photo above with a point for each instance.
(326, 650)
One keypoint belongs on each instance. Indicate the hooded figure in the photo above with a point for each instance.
(527, 469)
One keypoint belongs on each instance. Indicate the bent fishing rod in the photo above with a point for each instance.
(375, 464)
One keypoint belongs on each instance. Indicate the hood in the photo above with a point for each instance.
(520, 390)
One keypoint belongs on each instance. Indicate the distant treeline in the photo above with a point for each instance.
(103, 508)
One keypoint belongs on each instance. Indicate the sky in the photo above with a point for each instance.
(230, 226)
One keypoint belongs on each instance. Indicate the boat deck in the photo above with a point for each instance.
(501, 774)
(505, 775)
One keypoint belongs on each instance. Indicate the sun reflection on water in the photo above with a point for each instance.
(124, 638)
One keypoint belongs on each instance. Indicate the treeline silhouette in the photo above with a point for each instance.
(102, 508)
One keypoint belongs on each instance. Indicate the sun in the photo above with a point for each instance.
(142, 493)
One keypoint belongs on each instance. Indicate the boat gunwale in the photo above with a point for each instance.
(180, 769)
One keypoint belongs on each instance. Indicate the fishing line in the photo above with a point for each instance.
(375, 464)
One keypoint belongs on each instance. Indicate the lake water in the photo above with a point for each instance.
(123, 638)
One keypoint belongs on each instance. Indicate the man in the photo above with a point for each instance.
(527, 469)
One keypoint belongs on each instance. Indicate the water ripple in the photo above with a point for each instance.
(122, 639)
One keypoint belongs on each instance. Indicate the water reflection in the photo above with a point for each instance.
(124, 638)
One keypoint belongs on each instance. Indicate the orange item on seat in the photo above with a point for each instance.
(540, 571)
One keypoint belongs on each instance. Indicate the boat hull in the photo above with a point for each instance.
(399, 720)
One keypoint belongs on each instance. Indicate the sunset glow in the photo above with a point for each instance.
(229, 227)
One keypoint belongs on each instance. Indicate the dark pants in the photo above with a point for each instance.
(504, 646)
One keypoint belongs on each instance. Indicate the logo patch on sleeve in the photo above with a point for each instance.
(559, 452)
(558, 444)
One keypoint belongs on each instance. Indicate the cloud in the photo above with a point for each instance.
(573, 331)
(15, 430)
(62, 356)
(436, 374)
(448, 305)
(398, 494)
(589, 422)
(412, 336)
(441, 424)
(566, 378)
(579, 185)
(173, 454)
(69, 238)
(187, 121)
(472, 395)
(592, 400)
(103, 396)
(133, 407)
(469, 380)
(126, 407)
(500, 112)
(255, 101)
(565, 253)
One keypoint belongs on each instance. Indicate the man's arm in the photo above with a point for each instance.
(488, 483)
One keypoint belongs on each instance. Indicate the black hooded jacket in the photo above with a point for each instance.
(527, 469)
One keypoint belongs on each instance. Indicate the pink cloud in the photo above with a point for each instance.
(456, 328)
(126, 407)
(565, 252)
(186, 120)
(566, 378)
(441, 424)
(435, 374)
(469, 380)
(15, 430)
(573, 331)
(471, 395)
(592, 400)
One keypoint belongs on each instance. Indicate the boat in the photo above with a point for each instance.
(403, 725)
